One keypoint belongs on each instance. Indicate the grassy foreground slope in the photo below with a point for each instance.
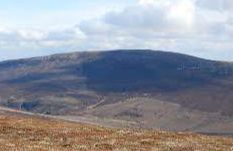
(24, 132)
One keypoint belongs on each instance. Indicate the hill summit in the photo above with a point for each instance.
(141, 86)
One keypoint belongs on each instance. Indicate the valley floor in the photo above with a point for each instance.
(23, 132)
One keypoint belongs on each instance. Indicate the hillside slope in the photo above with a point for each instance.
(24, 132)
(153, 89)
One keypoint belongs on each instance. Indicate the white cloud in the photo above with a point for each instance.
(197, 27)
(33, 42)
(28, 34)
(216, 5)
(186, 26)
(182, 13)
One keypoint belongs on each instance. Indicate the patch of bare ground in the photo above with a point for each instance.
(26, 133)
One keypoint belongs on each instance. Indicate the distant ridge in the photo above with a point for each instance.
(134, 85)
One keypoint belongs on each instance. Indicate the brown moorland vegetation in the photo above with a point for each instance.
(25, 133)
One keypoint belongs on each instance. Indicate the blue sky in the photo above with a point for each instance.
(41, 27)
(15, 13)
(33, 6)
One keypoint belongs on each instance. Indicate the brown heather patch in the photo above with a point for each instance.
(25, 133)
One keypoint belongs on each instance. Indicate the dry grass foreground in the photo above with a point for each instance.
(25, 133)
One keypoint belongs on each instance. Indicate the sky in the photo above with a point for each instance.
(202, 28)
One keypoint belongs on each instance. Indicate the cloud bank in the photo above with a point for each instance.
(198, 27)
